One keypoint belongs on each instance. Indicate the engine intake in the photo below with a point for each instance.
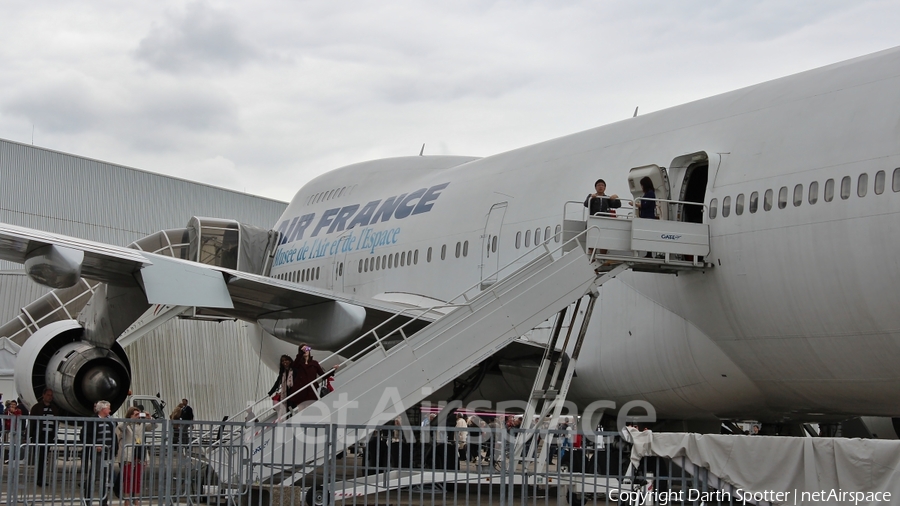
(78, 372)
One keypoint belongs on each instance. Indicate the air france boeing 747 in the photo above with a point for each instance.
(795, 318)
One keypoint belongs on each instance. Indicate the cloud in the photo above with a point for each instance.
(197, 40)
(66, 105)
(144, 115)
(288, 90)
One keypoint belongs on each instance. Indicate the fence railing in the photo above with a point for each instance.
(93, 461)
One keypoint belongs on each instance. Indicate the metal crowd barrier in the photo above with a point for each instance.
(247, 463)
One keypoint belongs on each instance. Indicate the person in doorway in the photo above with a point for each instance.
(305, 370)
(599, 202)
(646, 205)
(43, 433)
(283, 383)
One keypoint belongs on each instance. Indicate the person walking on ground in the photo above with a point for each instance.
(99, 438)
(13, 428)
(132, 455)
(187, 415)
(43, 434)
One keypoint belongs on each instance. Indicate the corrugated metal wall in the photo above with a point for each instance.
(211, 364)
(16, 290)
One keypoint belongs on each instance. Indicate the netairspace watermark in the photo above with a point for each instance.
(337, 409)
(740, 496)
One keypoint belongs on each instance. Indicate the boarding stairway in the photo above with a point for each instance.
(397, 369)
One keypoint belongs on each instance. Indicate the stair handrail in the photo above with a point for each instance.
(415, 314)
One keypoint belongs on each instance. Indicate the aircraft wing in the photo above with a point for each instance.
(171, 281)
(254, 296)
(102, 262)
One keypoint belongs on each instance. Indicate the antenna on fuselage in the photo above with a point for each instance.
(635, 111)
(422, 150)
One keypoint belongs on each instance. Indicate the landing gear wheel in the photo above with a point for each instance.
(316, 496)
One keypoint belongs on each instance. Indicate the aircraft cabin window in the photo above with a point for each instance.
(813, 192)
(547, 233)
(396, 259)
(466, 248)
(558, 235)
(527, 238)
(416, 257)
(377, 263)
(739, 205)
(713, 208)
(428, 255)
(895, 180)
(494, 244)
(537, 236)
(444, 252)
(845, 188)
(317, 272)
(519, 239)
(403, 259)
(754, 202)
(829, 190)
(360, 266)
(726, 206)
(458, 249)
(782, 197)
(341, 269)
(390, 262)
(879, 182)
(798, 195)
(767, 200)
(862, 185)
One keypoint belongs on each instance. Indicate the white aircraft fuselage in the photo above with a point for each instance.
(797, 318)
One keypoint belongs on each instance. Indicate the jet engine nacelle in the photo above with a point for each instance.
(79, 373)
(325, 326)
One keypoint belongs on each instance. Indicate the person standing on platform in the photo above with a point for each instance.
(647, 203)
(601, 203)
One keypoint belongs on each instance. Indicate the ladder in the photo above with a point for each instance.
(397, 371)
(399, 366)
(555, 373)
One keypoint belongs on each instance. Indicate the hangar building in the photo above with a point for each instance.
(211, 364)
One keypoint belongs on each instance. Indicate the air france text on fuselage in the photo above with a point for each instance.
(340, 219)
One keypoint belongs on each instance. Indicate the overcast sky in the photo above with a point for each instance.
(262, 97)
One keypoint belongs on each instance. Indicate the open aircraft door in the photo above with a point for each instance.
(660, 180)
(490, 245)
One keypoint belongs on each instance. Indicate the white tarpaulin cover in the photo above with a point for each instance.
(838, 469)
